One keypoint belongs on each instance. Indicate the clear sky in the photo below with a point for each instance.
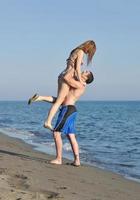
(36, 37)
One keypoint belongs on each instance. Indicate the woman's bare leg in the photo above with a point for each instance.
(49, 99)
(75, 149)
(62, 93)
(36, 98)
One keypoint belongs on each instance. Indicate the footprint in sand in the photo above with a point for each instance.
(62, 188)
(52, 195)
(21, 176)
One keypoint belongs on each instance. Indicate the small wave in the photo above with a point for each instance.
(51, 144)
(125, 165)
(33, 123)
(67, 147)
(5, 121)
(135, 138)
(133, 177)
(132, 150)
(15, 132)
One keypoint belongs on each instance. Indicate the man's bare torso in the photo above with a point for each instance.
(73, 95)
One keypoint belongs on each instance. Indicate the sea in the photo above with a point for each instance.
(108, 132)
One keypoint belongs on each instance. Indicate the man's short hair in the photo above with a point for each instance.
(90, 78)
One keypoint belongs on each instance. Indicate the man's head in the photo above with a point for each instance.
(87, 76)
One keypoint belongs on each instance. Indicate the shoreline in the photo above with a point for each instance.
(27, 174)
(41, 149)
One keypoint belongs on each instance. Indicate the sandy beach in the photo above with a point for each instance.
(26, 174)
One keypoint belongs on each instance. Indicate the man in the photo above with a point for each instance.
(67, 114)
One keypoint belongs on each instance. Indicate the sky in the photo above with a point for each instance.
(36, 38)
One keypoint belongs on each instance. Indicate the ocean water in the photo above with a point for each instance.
(108, 132)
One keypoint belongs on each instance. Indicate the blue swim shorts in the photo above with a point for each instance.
(66, 119)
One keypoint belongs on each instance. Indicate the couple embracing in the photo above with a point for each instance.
(71, 85)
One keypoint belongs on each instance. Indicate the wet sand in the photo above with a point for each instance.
(25, 174)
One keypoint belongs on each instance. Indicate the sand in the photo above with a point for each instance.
(26, 174)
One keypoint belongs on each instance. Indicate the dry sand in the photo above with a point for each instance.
(26, 174)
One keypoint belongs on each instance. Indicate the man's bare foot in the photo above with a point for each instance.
(76, 163)
(56, 162)
(48, 126)
(33, 99)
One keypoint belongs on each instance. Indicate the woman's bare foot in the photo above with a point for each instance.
(33, 98)
(56, 162)
(49, 126)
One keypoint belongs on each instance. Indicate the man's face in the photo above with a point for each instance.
(85, 74)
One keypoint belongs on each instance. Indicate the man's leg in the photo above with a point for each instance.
(58, 146)
(75, 148)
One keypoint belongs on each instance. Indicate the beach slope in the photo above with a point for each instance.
(27, 174)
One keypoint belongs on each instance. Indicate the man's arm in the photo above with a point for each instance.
(68, 77)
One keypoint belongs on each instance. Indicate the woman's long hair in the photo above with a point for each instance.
(89, 48)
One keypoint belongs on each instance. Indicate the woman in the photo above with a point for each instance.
(74, 61)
